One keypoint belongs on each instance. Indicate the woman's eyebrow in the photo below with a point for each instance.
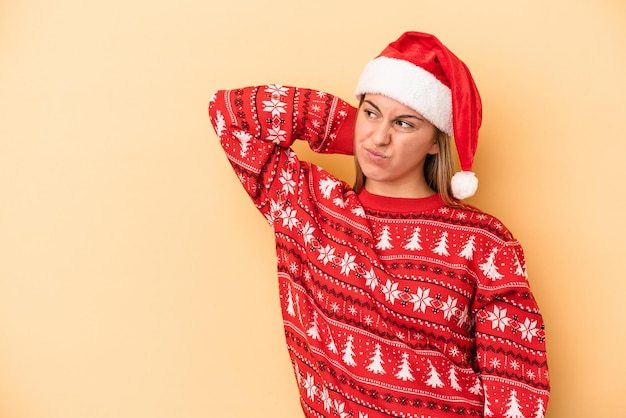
(418, 117)
(410, 116)
(372, 104)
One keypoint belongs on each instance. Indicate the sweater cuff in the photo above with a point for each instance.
(344, 142)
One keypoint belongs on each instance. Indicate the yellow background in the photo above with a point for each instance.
(137, 280)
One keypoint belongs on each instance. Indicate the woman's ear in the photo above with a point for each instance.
(434, 149)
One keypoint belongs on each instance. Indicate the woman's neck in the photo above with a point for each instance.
(388, 204)
(411, 191)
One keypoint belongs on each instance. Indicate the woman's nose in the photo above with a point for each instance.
(382, 135)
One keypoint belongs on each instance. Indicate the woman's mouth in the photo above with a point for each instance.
(375, 155)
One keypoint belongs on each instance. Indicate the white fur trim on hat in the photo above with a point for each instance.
(410, 85)
(464, 184)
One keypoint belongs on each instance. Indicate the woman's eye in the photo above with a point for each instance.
(369, 113)
(404, 125)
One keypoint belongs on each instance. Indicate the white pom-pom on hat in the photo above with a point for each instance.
(464, 184)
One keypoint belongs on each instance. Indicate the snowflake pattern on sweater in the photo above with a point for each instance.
(391, 307)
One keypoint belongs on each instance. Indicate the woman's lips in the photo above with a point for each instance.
(375, 155)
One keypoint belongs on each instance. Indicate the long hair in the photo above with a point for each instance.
(438, 170)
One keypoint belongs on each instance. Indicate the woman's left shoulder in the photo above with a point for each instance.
(468, 216)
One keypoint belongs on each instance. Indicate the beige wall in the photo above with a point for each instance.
(137, 280)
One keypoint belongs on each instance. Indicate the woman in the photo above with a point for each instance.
(397, 299)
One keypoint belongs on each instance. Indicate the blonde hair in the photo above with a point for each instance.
(438, 170)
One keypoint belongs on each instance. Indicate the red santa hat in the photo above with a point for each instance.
(418, 71)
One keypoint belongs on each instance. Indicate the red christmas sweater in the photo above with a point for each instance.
(391, 307)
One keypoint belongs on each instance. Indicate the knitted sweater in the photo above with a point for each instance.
(391, 307)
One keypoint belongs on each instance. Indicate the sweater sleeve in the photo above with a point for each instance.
(510, 337)
(257, 125)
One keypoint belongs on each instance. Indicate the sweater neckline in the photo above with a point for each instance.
(399, 204)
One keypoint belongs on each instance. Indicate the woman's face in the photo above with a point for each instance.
(391, 142)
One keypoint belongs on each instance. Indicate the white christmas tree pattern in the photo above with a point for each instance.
(519, 269)
(348, 352)
(244, 140)
(514, 408)
(414, 243)
(487, 411)
(376, 365)
(384, 240)
(454, 381)
(442, 245)
(298, 306)
(476, 389)
(314, 331)
(341, 202)
(331, 343)
(220, 123)
(434, 380)
(290, 309)
(327, 185)
(489, 268)
(405, 369)
(467, 251)
(541, 409)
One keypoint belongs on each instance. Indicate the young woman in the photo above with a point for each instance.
(398, 299)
